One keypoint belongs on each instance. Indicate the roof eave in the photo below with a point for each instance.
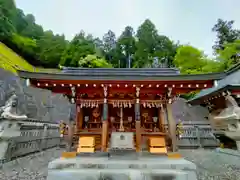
(233, 69)
(121, 76)
(197, 100)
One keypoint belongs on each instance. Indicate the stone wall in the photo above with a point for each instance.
(44, 110)
(34, 137)
(36, 103)
(182, 111)
(197, 130)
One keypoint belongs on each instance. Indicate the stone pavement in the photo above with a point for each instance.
(210, 165)
(101, 167)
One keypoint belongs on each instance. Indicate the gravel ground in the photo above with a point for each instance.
(210, 165)
(214, 166)
(33, 167)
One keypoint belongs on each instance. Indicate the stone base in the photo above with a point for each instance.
(102, 167)
(238, 145)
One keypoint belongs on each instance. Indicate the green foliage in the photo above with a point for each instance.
(51, 48)
(7, 8)
(190, 60)
(10, 61)
(230, 54)
(93, 61)
(25, 44)
(78, 48)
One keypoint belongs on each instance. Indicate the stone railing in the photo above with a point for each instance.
(34, 136)
(197, 135)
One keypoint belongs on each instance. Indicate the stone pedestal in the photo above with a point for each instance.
(122, 140)
(238, 144)
(8, 129)
(235, 135)
(101, 167)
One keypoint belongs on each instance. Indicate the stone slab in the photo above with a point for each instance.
(145, 167)
(228, 151)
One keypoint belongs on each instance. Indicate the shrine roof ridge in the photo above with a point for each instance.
(76, 69)
(126, 74)
(212, 91)
(80, 71)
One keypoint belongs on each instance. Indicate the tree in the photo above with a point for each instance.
(51, 48)
(147, 37)
(153, 49)
(190, 60)
(92, 61)
(109, 45)
(230, 55)
(165, 51)
(7, 10)
(225, 34)
(109, 41)
(78, 48)
(125, 48)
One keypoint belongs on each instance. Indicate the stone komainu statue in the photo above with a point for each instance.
(9, 110)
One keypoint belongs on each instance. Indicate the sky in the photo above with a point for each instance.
(187, 21)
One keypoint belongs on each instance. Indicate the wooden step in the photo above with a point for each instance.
(98, 142)
(157, 145)
(86, 144)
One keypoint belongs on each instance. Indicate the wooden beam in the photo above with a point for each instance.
(138, 135)
(124, 82)
(161, 118)
(104, 135)
(79, 117)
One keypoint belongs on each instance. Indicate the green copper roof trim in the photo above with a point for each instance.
(212, 91)
(221, 86)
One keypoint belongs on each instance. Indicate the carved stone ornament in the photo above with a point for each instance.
(9, 110)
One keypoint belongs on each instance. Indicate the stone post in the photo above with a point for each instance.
(70, 135)
(8, 129)
(44, 136)
(105, 121)
(172, 127)
(138, 121)
(198, 136)
(238, 145)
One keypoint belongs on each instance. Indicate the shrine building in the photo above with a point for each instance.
(223, 101)
(123, 100)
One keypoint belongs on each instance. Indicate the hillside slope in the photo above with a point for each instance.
(11, 61)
